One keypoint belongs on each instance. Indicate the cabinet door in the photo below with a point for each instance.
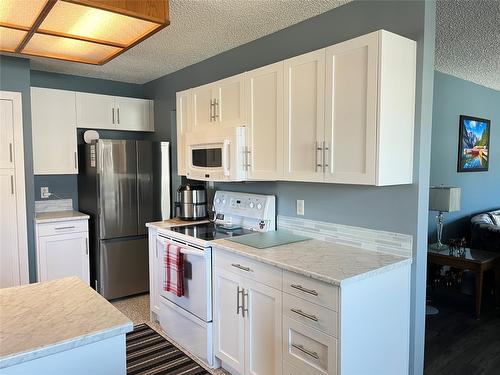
(95, 111)
(54, 131)
(228, 320)
(351, 111)
(6, 134)
(264, 141)
(229, 95)
(133, 114)
(183, 118)
(62, 256)
(202, 109)
(304, 116)
(263, 329)
(9, 264)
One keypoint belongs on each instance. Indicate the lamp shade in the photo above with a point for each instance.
(444, 198)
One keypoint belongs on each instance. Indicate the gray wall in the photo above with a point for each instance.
(392, 208)
(480, 190)
(15, 76)
(65, 186)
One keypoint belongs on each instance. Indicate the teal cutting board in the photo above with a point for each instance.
(268, 239)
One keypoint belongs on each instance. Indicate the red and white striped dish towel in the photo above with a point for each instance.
(174, 270)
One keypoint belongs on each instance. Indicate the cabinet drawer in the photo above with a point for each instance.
(62, 227)
(289, 369)
(310, 314)
(312, 290)
(249, 268)
(305, 347)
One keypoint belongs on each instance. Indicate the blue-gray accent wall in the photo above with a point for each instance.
(15, 76)
(399, 208)
(480, 190)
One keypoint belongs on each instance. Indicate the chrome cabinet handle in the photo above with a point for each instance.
(61, 228)
(239, 266)
(86, 246)
(76, 161)
(211, 110)
(118, 115)
(325, 160)
(244, 307)
(113, 114)
(246, 153)
(238, 307)
(317, 164)
(305, 290)
(10, 152)
(216, 109)
(306, 351)
(305, 315)
(12, 184)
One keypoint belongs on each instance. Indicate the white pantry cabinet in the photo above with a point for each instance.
(183, 123)
(63, 250)
(219, 103)
(248, 324)
(9, 263)
(304, 116)
(370, 98)
(97, 111)
(264, 127)
(53, 119)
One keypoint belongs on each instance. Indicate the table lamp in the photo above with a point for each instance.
(443, 199)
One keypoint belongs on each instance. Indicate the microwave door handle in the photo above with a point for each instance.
(225, 157)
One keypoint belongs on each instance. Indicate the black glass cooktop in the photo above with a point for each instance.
(210, 231)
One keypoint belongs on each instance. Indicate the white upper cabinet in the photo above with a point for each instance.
(134, 114)
(221, 103)
(229, 101)
(264, 135)
(370, 98)
(53, 119)
(202, 106)
(96, 111)
(183, 123)
(304, 116)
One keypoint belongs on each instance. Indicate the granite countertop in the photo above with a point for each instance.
(175, 222)
(55, 216)
(47, 318)
(326, 261)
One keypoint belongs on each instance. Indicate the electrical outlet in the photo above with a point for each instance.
(300, 207)
(44, 192)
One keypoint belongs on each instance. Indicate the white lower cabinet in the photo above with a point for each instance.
(248, 325)
(303, 326)
(63, 250)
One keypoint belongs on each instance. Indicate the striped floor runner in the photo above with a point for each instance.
(149, 353)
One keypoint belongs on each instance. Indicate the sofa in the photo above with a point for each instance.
(485, 231)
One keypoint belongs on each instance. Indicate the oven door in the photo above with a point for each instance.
(197, 298)
(217, 155)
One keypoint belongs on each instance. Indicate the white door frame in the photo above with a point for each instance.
(22, 232)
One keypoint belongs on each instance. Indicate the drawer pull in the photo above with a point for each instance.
(239, 266)
(304, 350)
(305, 315)
(238, 307)
(62, 228)
(305, 290)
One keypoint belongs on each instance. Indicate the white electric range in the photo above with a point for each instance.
(188, 319)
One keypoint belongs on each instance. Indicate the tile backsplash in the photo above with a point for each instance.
(52, 205)
(369, 239)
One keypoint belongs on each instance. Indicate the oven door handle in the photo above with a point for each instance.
(197, 253)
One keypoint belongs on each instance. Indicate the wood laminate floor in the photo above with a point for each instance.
(455, 342)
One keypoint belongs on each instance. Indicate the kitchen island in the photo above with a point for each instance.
(60, 327)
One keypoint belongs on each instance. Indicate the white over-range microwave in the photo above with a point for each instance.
(216, 155)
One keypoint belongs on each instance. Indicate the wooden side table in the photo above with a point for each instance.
(477, 261)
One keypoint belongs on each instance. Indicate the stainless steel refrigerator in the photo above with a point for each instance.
(122, 185)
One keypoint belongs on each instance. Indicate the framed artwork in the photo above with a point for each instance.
(473, 144)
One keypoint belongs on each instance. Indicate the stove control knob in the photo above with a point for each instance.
(217, 201)
(259, 206)
(251, 205)
(223, 201)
